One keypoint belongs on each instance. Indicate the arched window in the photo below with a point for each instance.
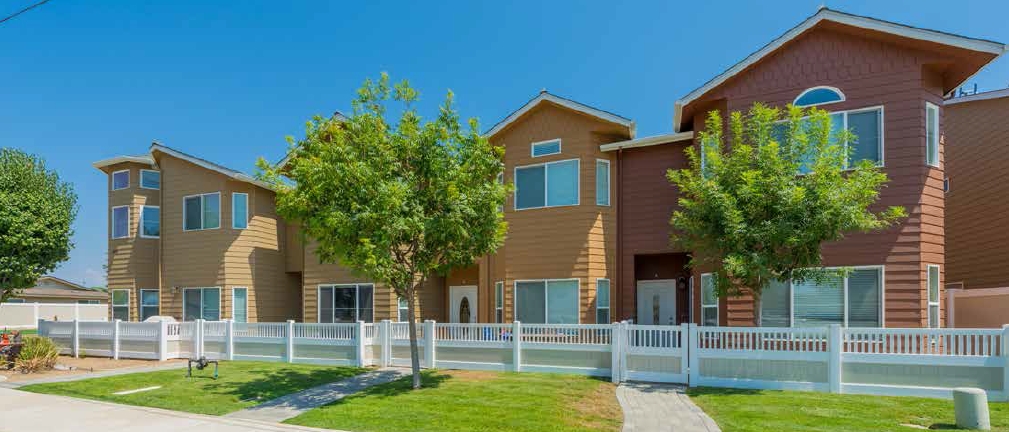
(819, 96)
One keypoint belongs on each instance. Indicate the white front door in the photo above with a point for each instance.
(657, 302)
(463, 306)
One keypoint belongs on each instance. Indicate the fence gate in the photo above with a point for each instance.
(651, 353)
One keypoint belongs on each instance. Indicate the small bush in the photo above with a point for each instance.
(38, 353)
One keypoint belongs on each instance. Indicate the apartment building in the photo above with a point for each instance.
(588, 238)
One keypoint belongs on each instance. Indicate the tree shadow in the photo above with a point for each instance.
(429, 380)
(273, 383)
(944, 426)
(720, 391)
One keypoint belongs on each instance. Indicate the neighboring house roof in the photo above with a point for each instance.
(544, 96)
(826, 14)
(337, 115)
(53, 287)
(143, 159)
(157, 147)
(648, 141)
(995, 94)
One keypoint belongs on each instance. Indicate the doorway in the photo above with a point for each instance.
(657, 302)
(463, 304)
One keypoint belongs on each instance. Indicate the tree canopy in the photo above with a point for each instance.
(760, 199)
(36, 212)
(395, 201)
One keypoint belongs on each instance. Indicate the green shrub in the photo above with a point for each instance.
(37, 353)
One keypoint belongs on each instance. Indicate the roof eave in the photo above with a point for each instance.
(566, 103)
(647, 141)
(210, 166)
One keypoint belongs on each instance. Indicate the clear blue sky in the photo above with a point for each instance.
(82, 81)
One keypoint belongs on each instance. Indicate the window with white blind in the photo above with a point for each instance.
(546, 148)
(853, 301)
(499, 302)
(709, 300)
(240, 304)
(402, 309)
(602, 182)
(602, 301)
(933, 296)
(931, 134)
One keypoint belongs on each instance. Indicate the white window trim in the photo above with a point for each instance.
(220, 300)
(609, 287)
(202, 213)
(233, 289)
(882, 296)
(112, 227)
(882, 129)
(609, 182)
(112, 302)
(546, 185)
(703, 306)
(532, 147)
(928, 295)
(357, 300)
(142, 179)
(400, 315)
(140, 227)
(127, 179)
(935, 134)
(834, 89)
(140, 302)
(233, 220)
(546, 297)
(499, 301)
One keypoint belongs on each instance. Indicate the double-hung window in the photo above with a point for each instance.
(931, 134)
(602, 301)
(552, 301)
(550, 184)
(933, 296)
(499, 302)
(150, 222)
(240, 304)
(120, 222)
(602, 182)
(709, 300)
(121, 304)
(150, 179)
(201, 212)
(867, 126)
(149, 303)
(402, 309)
(239, 210)
(852, 301)
(201, 303)
(120, 180)
(346, 303)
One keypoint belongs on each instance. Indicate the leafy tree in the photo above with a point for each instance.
(36, 211)
(758, 203)
(396, 202)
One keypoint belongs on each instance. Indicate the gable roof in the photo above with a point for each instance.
(545, 96)
(61, 288)
(826, 14)
(994, 94)
(236, 175)
(337, 115)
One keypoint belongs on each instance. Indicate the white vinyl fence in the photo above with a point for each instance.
(918, 362)
(27, 315)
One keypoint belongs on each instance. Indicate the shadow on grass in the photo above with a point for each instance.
(720, 391)
(428, 379)
(269, 383)
(944, 426)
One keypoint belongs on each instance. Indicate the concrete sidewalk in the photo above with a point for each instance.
(23, 411)
(661, 407)
(291, 405)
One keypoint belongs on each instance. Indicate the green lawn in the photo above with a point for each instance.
(476, 401)
(764, 410)
(241, 385)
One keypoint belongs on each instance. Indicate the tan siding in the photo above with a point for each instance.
(132, 261)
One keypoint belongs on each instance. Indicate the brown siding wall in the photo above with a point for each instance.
(870, 72)
(559, 242)
(317, 273)
(132, 261)
(978, 213)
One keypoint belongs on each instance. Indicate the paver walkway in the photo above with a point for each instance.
(291, 405)
(652, 407)
(24, 411)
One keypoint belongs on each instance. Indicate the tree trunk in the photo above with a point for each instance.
(414, 352)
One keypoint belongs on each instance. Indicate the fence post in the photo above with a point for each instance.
(77, 311)
(35, 312)
(115, 339)
(229, 338)
(1005, 358)
(616, 351)
(198, 338)
(383, 341)
(429, 342)
(289, 350)
(163, 340)
(693, 356)
(834, 351)
(75, 342)
(517, 346)
(359, 344)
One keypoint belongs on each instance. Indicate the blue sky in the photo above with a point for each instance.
(227, 81)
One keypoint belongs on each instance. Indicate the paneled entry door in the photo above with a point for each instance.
(463, 307)
(657, 302)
